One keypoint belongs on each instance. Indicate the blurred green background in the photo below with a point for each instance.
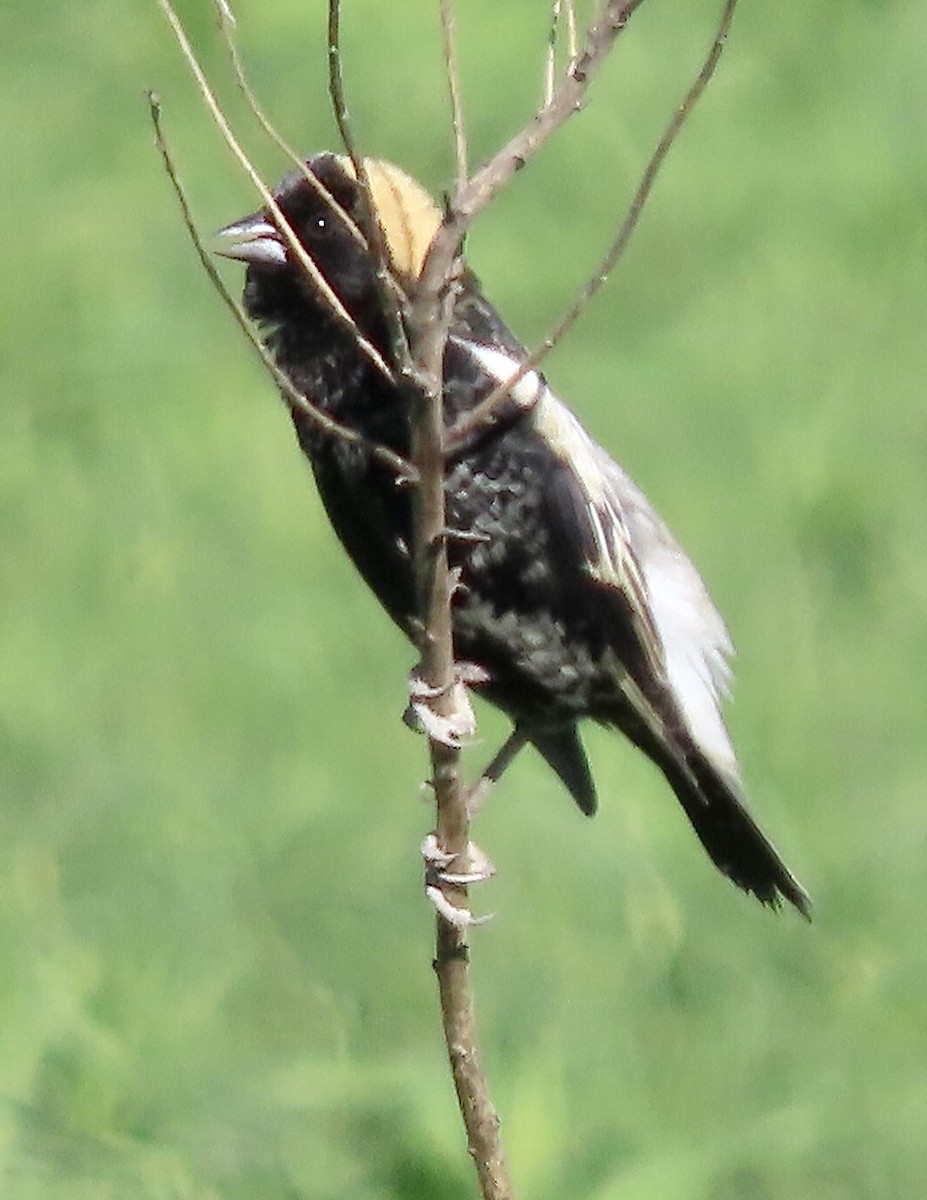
(214, 950)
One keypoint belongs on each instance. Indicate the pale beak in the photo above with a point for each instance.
(252, 240)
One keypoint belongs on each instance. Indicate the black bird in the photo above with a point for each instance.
(575, 600)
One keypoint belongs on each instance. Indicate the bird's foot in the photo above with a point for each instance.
(477, 867)
(444, 713)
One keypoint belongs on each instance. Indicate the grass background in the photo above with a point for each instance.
(214, 950)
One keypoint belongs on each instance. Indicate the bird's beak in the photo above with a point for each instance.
(252, 240)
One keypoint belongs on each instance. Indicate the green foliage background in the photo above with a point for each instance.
(214, 950)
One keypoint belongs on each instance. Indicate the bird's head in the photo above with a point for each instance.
(322, 204)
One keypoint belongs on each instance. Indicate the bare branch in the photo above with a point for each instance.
(370, 220)
(419, 363)
(226, 26)
(429, 318)
(276, 137)
(293, 244)
(561, 12)
(550, 60)
(484, 412)
(452, 69)
(404, 471)
(373, 231)
(480, 1117)
(572, 42)
(428, 328)
(428, 342)
(567, 99)
(644, 188)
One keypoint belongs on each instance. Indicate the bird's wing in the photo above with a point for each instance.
(629, 551)
(595, 498)
(682, 632)
(673, 698)
(611, 559)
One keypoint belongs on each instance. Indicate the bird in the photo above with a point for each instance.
(573, 601)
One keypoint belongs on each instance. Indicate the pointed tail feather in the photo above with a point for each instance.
(728, 831)
(711, 800)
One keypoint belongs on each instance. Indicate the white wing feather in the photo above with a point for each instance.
(637, 553)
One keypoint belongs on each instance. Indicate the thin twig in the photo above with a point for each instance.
(429, 318)
(480, 416)
(338, 310)
(226, 24)
(550, 59)
(429, 324)
(572, 42)
(225, 27)
(403, 469)
(370, 220)
(336, 92)
(563, 12)
(452, 70)
(385, 276)
(567, 99)
(479, 1114)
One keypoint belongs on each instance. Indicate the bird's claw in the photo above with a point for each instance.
(457, 723)
(460, 918)
(479, 867)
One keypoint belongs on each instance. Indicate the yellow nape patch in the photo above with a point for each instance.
(408, 216)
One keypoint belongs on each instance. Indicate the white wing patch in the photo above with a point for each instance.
(613, 562)
(501, 366)
(635, 553)
(639, 555)
(696, 645)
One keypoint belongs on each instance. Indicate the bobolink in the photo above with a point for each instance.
(575, 600)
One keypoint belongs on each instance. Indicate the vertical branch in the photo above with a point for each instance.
(562, 13)
(572, 37)
(422, 369)
(479, 1115)
(429, 320)
(453, 86)
(369, 220)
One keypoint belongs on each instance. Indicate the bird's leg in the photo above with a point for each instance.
(479, 793)
(479, 865)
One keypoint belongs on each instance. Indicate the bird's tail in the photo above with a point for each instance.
(727, 829)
